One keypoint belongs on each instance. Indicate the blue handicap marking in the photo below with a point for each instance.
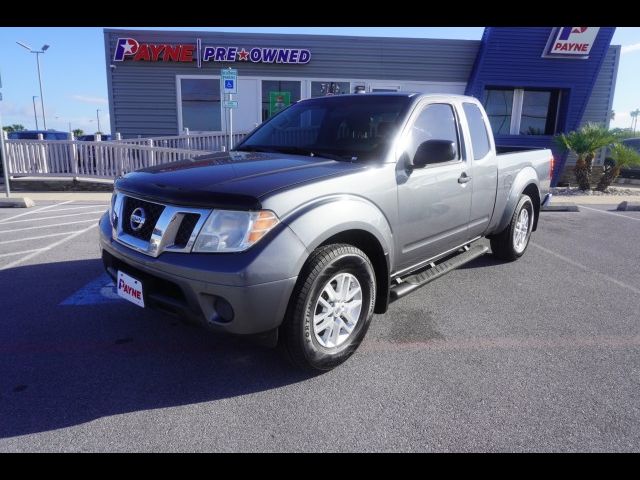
(100, 290)
(228, 84)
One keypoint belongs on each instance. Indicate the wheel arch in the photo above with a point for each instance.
(525, 182)
(372, 248)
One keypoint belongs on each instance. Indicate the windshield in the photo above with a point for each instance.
(341, 127)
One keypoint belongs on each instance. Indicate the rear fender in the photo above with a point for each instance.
(527, 176)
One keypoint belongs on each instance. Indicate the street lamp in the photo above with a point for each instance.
(35, 115)
(98, 117)
(38, 52)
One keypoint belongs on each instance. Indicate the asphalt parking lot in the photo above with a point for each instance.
(536, 355)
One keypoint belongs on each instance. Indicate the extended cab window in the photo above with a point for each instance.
(436, 122)
(478, 130)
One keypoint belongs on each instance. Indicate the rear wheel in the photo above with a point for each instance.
(511, 243)
(330, 309)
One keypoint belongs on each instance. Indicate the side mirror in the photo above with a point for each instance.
(434, 151)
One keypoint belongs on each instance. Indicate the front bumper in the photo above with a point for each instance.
(257, 284)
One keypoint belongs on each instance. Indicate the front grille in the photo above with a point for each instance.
(152, 213)
(186, 229)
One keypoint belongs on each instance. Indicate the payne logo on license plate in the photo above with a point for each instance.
(130, 289)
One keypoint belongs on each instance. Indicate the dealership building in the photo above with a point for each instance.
(534, 82)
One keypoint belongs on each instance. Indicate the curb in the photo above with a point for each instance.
(628, 207)
(16, 202)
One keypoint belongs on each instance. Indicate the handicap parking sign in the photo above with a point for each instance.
(229, 77)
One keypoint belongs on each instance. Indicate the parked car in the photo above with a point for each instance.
(320, 217)
(91, 138)
(87, 158)
(628, 172)
(33, 135)
(57, 160)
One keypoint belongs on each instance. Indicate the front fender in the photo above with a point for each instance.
(325, 217)
(525, 177)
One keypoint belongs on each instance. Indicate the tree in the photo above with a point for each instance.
(585, 143)
(77, 132)
(623, 156)
(16, 127)
(634, 118)
(621, 133)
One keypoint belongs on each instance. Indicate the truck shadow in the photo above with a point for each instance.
(63, 365)
(486, 260)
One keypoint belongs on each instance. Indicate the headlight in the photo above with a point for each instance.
(234, 231)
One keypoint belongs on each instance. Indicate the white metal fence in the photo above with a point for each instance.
(64, 158)
(212, 142)
(106, 159)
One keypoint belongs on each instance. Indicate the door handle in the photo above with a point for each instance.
(464, 178)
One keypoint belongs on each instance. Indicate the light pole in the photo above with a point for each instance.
(98, 117)
(35, 115)
(38, 52)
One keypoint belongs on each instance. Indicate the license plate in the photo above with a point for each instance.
(130, 289)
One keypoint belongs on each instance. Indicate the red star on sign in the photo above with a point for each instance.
(243, 55)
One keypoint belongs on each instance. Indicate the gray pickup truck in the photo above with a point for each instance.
(320, 217)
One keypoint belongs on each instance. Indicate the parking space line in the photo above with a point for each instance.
(49, 226)
(55, 216)
(77, 208)
(35, 211)
(45, 249)
(34, 238)
(611, 213)
(587, 269)
(20, 253)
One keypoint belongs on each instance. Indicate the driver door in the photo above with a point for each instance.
(434, 202)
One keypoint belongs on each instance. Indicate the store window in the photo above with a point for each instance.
(278, 95)
(539, 112)
(522, 111)
(499, 104)
(322, 89)
(200, 102)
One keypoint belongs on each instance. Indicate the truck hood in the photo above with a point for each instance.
(229, 179)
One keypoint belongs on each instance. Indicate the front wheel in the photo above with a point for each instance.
(330, 309)
(511, 243)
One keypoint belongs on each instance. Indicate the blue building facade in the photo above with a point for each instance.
(511, 65)
(535, 82)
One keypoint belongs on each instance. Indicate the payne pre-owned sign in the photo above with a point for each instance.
(131, 49)
(573, 42)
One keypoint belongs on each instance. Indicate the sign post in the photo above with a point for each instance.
(3, 152)
(229, 84)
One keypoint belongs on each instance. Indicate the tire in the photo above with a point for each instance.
(327, 348)
(504, 245)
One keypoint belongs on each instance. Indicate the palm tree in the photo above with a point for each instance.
(623, 156)
(77, 132)
(585, 143)
(634, 119)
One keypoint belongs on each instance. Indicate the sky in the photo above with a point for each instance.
(74, 76)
